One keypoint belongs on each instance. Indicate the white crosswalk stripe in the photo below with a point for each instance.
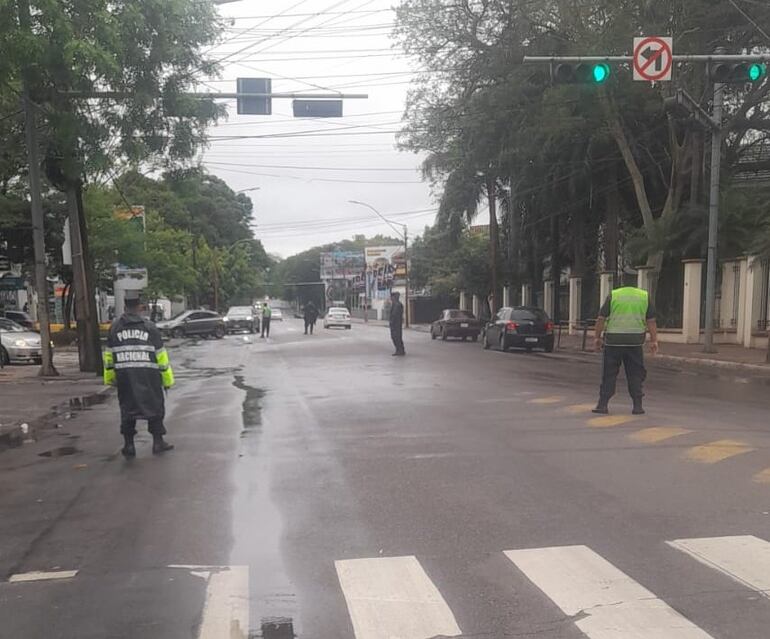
(744, 558)
(393, 598)
(606, 602)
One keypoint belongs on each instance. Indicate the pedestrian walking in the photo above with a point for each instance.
(136, 362)
(624, 319)
(310, 316)
(396, 323)
(267, 313)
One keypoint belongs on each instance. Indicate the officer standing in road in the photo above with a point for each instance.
(396, 323)
(137, 363)
(267, 313)
(310, 316)
(624, 319)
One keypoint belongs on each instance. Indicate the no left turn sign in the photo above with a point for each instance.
(653, 59)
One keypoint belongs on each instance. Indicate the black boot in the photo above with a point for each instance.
(637, 410)
(128, 450)
(601, 408)
(160, 445)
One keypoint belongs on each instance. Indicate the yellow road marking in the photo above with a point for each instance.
(657, 434)
(579, 408)
(717, 451)
(763, 477)
(553, 399)
(607, 421)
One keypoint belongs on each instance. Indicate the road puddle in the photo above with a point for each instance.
(251, 412)
(61, 451)
(87, 401)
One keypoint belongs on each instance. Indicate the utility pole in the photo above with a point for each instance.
(711, 262)
(493, 238)
(38, 221)
(406, 279)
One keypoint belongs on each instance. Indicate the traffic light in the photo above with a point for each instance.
(741, 73)
(581, 73)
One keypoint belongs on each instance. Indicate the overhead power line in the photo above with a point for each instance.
(314, 168)
(302, 15)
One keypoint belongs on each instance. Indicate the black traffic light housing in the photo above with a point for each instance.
(580, 73)
(736, 73)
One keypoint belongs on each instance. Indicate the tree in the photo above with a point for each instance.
(573, 164)
(147, 52)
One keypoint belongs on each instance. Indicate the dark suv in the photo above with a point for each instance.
(242, 318)
(521, 327)
(194, 323)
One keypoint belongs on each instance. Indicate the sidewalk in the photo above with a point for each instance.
(43, 401)
(730, 356)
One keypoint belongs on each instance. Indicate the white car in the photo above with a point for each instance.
(277, 315)
(337, 316)
(17, 344)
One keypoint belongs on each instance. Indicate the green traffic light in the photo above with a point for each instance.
(757, 71)
(601, 72)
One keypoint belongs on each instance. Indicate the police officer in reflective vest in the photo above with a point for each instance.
(624, 319)
(137, 363)
(267, 314)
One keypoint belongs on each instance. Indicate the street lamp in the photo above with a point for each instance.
(253, 188)
(403, 234)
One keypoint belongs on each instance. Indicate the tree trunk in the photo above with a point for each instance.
(555, 267)
(611, 228)
(493, 241)
(86, 354)
(578, 222)
(93, 313)
(696, 170)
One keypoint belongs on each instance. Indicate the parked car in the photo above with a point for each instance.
(277, 315)
(456, 323)
(521, 327)
(337, 316)
(17, 344)
(241, 318)
(21, 318)
(197, 322)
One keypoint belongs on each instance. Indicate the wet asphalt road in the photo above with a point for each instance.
(299, 455)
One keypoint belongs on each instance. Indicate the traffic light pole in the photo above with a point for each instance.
(712, 122)
(711, 255)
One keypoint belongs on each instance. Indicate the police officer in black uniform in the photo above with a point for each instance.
(396, 323)
(136, 362)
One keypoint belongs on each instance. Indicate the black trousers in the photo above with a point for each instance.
(632, 358)
(154, 425)
(397, 335)
(309, 324)
(265, 326)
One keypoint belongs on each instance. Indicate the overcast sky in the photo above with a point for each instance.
(318, 46)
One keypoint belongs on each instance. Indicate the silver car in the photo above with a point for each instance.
(17, 344)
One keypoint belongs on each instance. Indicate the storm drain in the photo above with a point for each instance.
(278, 628)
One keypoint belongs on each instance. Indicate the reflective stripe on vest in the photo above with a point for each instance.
(628, 311)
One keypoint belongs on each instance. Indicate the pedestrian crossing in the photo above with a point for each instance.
(394, 598)
(642, 429)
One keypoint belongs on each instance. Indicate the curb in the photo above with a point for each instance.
(698, 362)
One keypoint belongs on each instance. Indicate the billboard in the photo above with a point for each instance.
(341, 265)
(385, 269)
(343, 273)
